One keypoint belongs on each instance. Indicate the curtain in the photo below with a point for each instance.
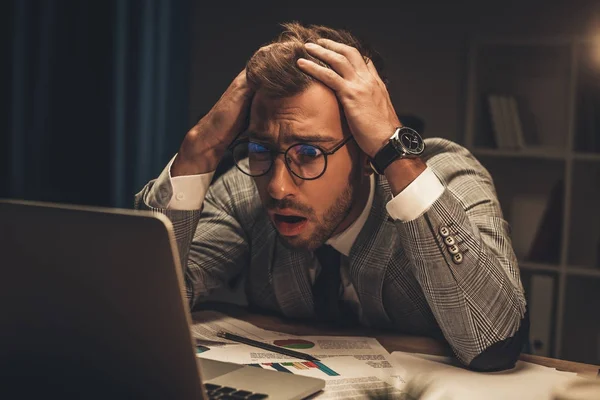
(98, 98)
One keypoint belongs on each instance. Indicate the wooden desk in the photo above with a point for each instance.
(391, 341)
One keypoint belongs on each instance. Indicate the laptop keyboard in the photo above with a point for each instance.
(226, 393)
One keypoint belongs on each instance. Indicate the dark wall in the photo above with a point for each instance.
(57, 101)
(424, 44)
(95, 97)
(5, 95)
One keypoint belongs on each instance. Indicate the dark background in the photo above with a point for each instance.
(61, 90)
(97, 95)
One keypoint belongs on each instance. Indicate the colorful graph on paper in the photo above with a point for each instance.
(301, 368)
(201, 349)
(294, 343)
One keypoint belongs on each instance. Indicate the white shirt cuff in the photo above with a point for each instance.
(416, 198)
(188, 190)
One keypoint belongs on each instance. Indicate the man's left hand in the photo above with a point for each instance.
(363, 95)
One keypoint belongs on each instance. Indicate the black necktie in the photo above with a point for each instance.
(327, 287)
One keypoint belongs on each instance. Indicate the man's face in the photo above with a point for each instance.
(306, 212)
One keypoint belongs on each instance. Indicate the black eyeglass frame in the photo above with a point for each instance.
(275, 153)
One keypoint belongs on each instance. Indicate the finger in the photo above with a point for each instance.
(239, 89)
(337, 61)
(351, 53)
(375, 74)
(240, 78)
(373, 70)
(328, 76)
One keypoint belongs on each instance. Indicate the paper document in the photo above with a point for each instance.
(364, 349)
(368, 351)
(366, 387)
(354, 367)
(206, 324)
(345, 377)
(433, 377)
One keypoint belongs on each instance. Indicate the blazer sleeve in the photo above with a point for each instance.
(473, 289)
(212, 244)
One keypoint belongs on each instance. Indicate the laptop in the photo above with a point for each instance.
(93, 306)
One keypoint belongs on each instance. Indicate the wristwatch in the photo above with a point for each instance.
(404, 143)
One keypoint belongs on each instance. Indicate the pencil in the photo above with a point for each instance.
(266, 346)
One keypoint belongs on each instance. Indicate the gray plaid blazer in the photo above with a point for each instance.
(404, 273)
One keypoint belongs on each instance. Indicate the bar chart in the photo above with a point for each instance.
(294, 343)
(315, 368)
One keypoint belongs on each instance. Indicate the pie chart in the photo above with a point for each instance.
(294, 343)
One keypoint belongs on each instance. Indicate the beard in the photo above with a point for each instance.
(331, 219)
(324, 225)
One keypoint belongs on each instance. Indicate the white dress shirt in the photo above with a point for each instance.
(412, 202)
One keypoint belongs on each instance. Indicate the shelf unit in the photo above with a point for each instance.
(554, 178)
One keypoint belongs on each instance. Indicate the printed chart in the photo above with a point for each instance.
(201, 349)
(294, 343)
(315, 368)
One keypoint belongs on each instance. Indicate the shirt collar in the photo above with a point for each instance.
(343, 241)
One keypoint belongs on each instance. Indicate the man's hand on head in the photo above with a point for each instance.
(363, 95)
(204, 144)
(366, 102)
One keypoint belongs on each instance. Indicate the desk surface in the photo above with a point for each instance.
(391, 341)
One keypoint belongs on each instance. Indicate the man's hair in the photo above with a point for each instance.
(273, 68)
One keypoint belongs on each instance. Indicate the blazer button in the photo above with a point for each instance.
(457, 258)
(444, 231)
(453, 249)
(449, 240)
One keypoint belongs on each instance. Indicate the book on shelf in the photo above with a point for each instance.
(517, 126)
(598, 255)
(497, 119)
(506, 122)
(536, 224)
(588, 120)
(526, 214)
(541, 305)
(546, 246)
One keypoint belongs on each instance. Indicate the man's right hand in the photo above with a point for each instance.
(204, 144)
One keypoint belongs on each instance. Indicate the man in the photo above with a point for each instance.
(420, 247)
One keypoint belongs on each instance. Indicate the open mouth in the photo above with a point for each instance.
(289, 219)
(289, 225)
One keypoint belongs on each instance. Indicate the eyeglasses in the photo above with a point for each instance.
(306, 161)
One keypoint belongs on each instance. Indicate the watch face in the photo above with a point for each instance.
(411, 141)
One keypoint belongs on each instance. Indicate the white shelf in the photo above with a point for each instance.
(544, 153)
(586, 156)
(547, 76)
(563, 40)
(583, 271)
(532, 266)
(547, 153)
(571, 270)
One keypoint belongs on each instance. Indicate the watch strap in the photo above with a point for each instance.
(396, 148)
(384, 157)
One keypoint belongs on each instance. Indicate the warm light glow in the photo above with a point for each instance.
(596, 50)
